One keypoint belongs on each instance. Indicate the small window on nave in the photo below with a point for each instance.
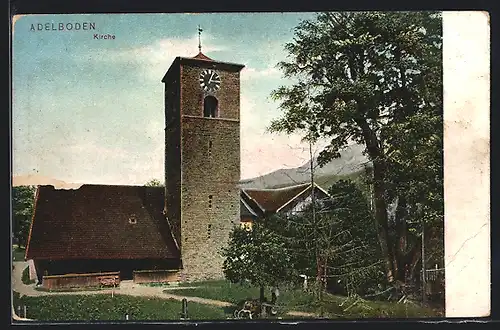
(210, 107)
(132, 219)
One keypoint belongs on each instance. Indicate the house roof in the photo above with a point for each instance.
(246, 210)
(276, 199)
(93, 222)
(271, 200)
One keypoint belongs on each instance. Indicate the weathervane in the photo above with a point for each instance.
(199, 37)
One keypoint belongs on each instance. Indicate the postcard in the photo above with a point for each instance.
(271, 166)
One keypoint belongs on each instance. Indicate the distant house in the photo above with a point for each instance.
(261, 203)
(100, 228)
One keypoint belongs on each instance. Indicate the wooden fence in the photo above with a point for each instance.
(109, 279)
(155, 276)
(435, 281)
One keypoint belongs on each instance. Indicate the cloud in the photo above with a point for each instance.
(113, 165)
(261, 151)
(103, 139)
(265, 152)
(249, 73)
(158, 56)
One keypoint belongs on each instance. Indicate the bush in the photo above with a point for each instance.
(294, 299)
(26, 276)
(356, 307)
(18, 253)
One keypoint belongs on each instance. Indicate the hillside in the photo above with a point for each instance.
(351, 165)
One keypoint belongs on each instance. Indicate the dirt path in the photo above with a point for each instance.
(126, 288)
(16, 279)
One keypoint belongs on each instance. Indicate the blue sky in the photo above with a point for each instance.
(88, 110)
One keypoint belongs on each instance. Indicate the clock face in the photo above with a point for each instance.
(209, 80)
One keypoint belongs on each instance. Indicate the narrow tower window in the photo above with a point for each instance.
(210, 201)
(209, 228)
(210, 148)
(210, 107)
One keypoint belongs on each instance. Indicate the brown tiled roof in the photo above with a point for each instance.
(270, 200)
(92, 222)
(202, 56)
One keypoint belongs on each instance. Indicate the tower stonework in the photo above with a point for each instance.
(202, 160)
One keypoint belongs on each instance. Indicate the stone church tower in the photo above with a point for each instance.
(202, 160)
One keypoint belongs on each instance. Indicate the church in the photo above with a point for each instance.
(174, 233)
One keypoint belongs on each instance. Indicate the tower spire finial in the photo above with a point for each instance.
(199, 37)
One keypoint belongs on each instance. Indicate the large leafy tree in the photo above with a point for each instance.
(22, 211)
(257, 255)
(374, 79)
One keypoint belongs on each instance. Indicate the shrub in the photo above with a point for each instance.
(26, 276)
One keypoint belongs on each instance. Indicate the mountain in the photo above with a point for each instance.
(351, 163)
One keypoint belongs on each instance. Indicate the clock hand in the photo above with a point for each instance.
(209, 80)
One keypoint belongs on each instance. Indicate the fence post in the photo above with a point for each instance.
(184, 312)
(126, 316)
(19, 310)
(24, 311)
(424, 273)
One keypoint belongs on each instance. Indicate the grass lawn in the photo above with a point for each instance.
(18, 253)
(218, 290)
(297, 300)
(107, 308)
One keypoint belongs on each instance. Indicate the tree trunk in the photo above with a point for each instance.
(401, 240)
(414, 270)
(382, 222)
(262, 297)
(381, 219)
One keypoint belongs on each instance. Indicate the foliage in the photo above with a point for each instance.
(340, 234)
(376, 79)
(293, 299)
(18, 253)
(26, 276)
(258, 256)
(154, 183)
(356, 307)
(23, 198)
(356, 263)
(107, 308)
